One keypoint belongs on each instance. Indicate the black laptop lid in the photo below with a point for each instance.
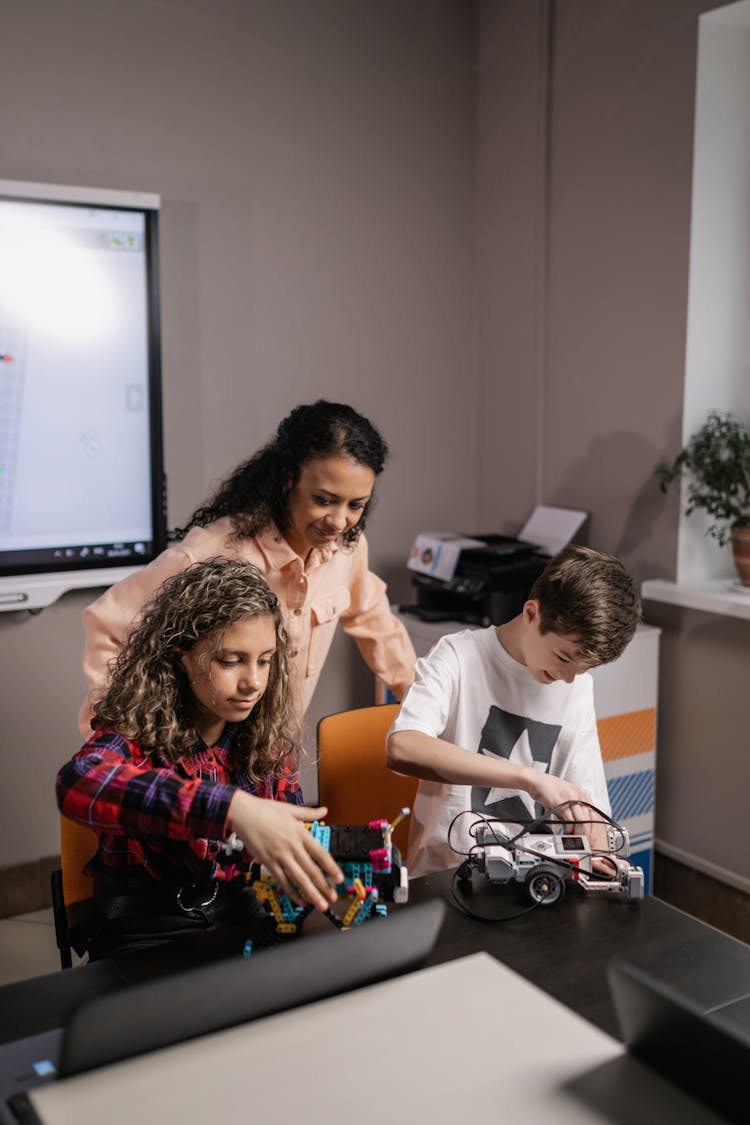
(186, 1005)
(703, 1052)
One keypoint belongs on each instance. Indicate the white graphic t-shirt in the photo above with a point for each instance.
(471, 692)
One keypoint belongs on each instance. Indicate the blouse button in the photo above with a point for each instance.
(297, 612)
(294, 652)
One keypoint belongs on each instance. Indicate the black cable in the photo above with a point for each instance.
(530, 825)
(483, 917)
(528, 828)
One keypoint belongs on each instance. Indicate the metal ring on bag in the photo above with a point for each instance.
(196, 905)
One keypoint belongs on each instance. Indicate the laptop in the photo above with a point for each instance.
(705, 1051)
(186, 1005)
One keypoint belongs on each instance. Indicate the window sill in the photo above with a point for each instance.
(717, 595)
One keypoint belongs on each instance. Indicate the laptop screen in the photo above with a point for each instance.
(185, 1005)
(704, 1052)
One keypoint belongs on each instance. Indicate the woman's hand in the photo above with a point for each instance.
(274, 834)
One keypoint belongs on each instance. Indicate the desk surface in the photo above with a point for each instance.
(469, 1039)
(563, 949)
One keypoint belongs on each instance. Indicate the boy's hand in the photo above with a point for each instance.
(578, 818)
(550, 791)
(274, 834)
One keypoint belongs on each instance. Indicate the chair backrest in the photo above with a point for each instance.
(353, 779)
(77, 846)
(68, 883)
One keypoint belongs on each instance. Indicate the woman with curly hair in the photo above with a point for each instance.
(297, 510)
(194, 744)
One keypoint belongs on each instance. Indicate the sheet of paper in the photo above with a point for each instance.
(552, 528)
(437, 552)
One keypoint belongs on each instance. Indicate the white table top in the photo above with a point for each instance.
(463, 1038)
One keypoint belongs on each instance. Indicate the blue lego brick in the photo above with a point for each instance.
(289, 909)
(321, 833)
(364, 911)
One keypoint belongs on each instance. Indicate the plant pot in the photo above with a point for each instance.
(741, 552)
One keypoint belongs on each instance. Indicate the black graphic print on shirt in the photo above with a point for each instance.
(520, 740)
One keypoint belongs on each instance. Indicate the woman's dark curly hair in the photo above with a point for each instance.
(149, 697)
(257, 492)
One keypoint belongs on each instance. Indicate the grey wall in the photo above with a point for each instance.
(584, 189)
(471, 221)
(316, 167)
(585, 150)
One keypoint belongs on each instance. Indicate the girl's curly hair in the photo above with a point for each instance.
(149, 697)
(258, 491)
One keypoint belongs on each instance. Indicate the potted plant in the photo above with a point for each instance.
(717, 462)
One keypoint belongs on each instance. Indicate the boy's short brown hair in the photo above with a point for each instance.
(587, 595)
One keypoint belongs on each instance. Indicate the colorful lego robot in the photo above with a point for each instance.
(373, 876)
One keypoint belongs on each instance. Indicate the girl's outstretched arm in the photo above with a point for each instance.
(274, 834)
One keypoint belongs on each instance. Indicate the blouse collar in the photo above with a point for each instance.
(279, 554)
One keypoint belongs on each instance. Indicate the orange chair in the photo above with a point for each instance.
(353, 779)
(69, 884)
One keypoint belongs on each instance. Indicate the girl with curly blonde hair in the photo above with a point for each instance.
(194, 744)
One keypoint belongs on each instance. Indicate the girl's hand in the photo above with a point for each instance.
(274, 834)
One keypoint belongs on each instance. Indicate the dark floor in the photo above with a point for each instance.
(717, 903)
(26, 887)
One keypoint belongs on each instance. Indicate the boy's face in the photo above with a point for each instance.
(549, 656)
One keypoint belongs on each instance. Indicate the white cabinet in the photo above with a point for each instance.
(625, 695)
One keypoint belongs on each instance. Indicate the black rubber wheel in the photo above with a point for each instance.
(545, 885)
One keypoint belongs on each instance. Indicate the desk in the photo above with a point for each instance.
(563, 949)
(469, 1040)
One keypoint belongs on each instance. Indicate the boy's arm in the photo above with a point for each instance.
(415, 748)
(422, 755)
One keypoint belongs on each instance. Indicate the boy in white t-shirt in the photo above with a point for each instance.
(501, 720)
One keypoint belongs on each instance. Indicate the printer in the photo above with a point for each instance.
(485, 579)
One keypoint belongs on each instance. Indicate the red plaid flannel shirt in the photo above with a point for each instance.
(158, 821)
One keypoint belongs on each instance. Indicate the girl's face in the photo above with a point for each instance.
(228, 673)
(327, 500)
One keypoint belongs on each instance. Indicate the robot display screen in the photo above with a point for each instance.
(572, 843)
(81, 476)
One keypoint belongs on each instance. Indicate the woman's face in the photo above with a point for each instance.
(327, 500)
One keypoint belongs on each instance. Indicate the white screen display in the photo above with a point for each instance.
(79, 370)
